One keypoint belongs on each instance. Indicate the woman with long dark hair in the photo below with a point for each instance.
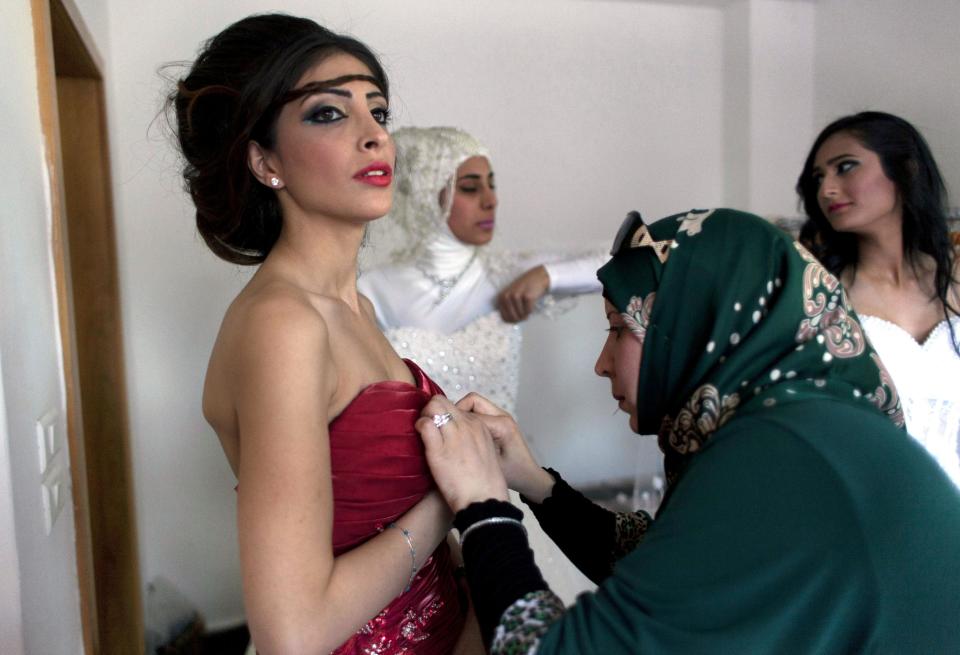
(283, 126)
(877, 207)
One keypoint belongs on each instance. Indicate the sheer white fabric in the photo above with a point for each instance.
(927, 377)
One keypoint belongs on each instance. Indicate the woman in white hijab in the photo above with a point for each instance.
(451, 305)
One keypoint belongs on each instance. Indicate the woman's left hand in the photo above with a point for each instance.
(461, 455)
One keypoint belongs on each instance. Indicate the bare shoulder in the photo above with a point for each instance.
(268, 335)
(278, 318)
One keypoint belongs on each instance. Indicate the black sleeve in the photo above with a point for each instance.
(498, 560)
(584, 531)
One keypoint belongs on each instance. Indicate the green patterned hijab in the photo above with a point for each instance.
(736, 317)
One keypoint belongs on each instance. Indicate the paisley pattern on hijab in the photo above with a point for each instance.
(735, 317)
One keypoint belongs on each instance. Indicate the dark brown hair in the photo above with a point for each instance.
(907, 161)
(233, 94)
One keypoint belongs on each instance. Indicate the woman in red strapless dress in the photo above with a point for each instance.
(282, 124)
(379, 472)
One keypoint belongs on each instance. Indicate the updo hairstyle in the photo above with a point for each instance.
(232, 95)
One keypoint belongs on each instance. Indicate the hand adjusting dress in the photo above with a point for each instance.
(379, 472)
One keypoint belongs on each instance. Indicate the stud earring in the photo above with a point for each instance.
(274, 181)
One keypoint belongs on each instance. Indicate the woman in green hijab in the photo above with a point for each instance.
(799, 518)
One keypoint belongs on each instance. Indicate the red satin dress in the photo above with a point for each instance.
(379, 472)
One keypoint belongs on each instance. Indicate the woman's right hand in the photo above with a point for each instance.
(521, 470)
(519, 298)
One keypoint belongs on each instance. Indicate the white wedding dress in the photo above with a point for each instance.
(927, 377)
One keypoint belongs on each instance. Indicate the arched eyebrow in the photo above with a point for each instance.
(330, 86)
(817, 169)
(474, 176)
(839, 157)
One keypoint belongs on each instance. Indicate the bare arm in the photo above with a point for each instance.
(299, 598)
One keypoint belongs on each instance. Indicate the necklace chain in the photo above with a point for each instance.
(445, 284)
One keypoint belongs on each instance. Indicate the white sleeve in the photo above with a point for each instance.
(575, 276)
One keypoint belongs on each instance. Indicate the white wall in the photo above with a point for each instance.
(32, 373)
(768, 100)
(898, 56)
(94, 15)
(11, 616)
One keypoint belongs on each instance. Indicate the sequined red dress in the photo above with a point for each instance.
(379, 472)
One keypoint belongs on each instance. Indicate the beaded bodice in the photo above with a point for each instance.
(482, 356)
(927, 376)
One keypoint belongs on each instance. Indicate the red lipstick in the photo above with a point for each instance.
(837, 206)
(379, 173)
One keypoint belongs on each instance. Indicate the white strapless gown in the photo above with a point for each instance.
(927, 377)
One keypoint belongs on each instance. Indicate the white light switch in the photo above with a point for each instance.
(54, 497)
(54, 471)
(48, 439)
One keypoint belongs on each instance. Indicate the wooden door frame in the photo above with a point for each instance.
(89, 321)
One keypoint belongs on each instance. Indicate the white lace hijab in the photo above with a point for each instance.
(416, 228)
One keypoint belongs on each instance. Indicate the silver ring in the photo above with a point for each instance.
(442, 419)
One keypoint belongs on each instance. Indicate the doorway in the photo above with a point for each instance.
(73, 116)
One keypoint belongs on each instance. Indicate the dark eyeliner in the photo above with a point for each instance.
(385, 115)
(324, 114)
(846, 165)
